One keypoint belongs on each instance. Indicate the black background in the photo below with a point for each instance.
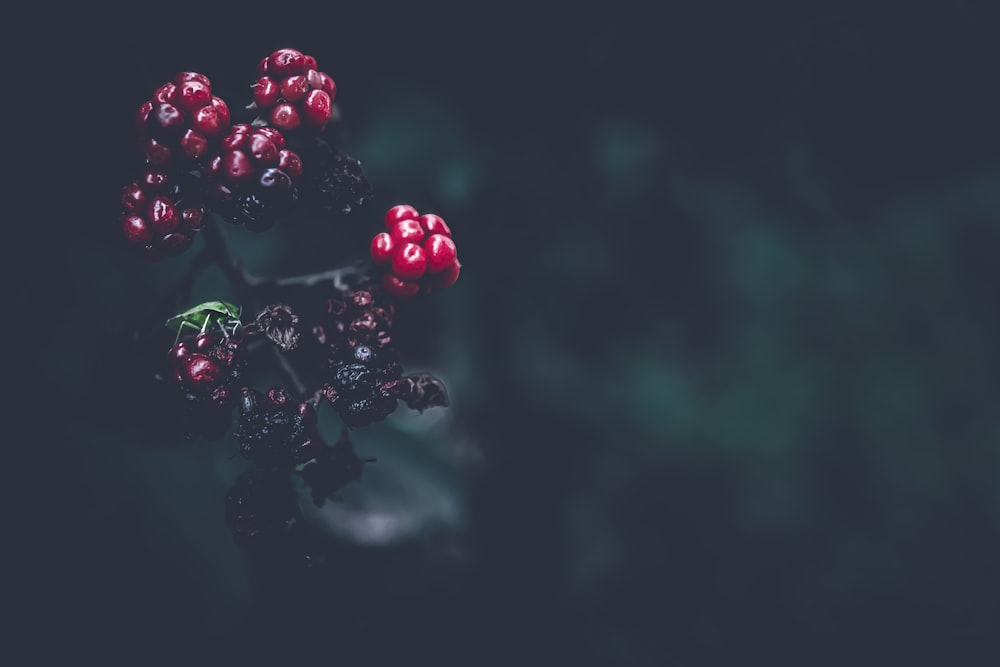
(888, 101)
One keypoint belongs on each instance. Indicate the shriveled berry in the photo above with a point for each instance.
(198, 371)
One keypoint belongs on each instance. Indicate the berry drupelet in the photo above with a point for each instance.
(417, 253)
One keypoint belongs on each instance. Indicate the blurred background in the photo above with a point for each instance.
(722, 359)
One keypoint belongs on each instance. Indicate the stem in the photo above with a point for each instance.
(293, 377)
(337, 276)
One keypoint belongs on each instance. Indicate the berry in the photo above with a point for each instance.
(161, 212)
(365, 384)
(206, 373)
(181, 121)
(417, 253)
(292, 93)
(335, 184)
(275, 432)
(253, 178)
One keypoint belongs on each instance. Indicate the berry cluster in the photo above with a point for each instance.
(330, 334)
(182, 120)
(253, 177)
(159, 215)
(417, 252)
(292, 92)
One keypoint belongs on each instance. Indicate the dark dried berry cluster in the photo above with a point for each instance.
(275, 432)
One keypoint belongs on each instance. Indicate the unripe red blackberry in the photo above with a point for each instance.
(417, 253)
(275, 432)
(253, 177)
(182, 122)
(161, 212)
(291, 93)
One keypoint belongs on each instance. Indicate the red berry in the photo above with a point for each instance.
(183, 77)
(136, 230)
(434, 224)
(237, 166)
(274, 135)
(193, 94)
(409, 261)
(194, 145)
(381, 250)
(403, 288)
(134, 198)
(199, 371)
(262, 148)
(156, 153)
(208, 122)
(285, 117)
(290, 163)
(310, 62)
(142, 115)
(316, 108)
(286, 62)
(400, 212)
(166, 117)
(407, 231)
(294, 88)
(176, 243)
(441, 252)
(266, 92)
(447, 277)
(262, 66)
(162, 215)
(166, 94)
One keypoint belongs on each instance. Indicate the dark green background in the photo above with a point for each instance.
(722, 358)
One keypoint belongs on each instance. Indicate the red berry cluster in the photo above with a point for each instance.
(292, 92)
(181, 121)
(417, 252)
(157, 218)
(253, 176)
